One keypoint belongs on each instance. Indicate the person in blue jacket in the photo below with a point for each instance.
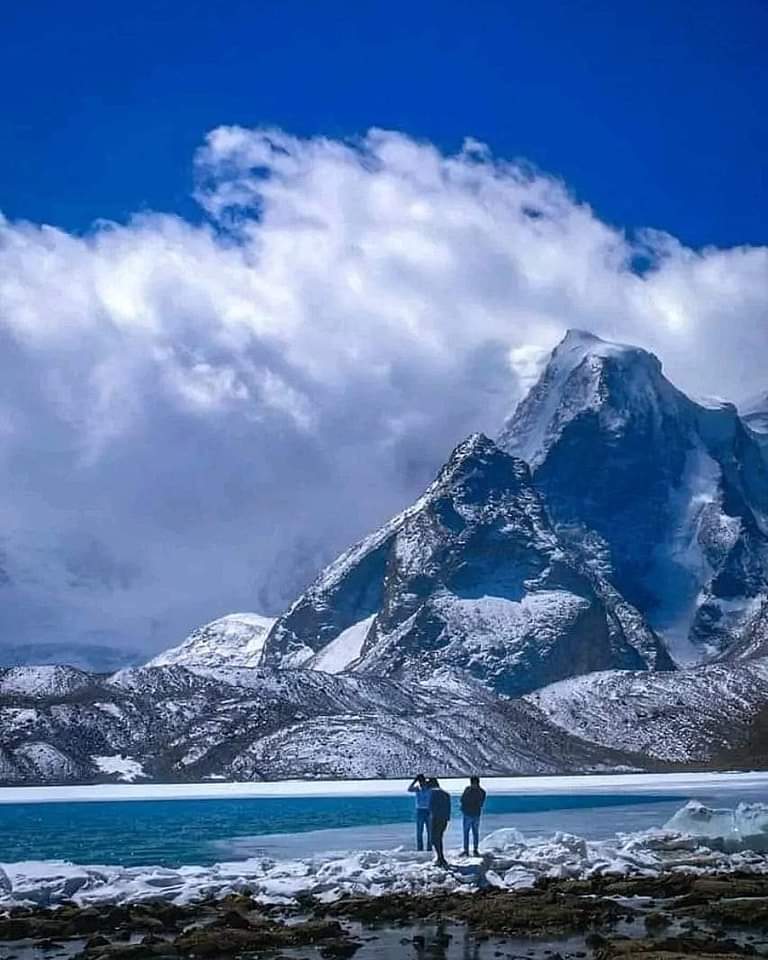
(421, 788)
(440, 810)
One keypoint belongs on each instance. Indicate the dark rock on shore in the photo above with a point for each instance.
(668, 918)
(529, 913)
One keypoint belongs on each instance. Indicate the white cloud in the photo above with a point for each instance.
(208, 409)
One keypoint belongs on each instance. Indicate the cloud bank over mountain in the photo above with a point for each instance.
(195, 415)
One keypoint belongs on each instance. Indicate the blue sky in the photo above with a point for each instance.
(203, 402)
(654, 113)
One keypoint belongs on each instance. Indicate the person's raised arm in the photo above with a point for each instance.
(417, 783)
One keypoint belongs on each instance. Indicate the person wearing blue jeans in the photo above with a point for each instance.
(422, 790)
(472, 801)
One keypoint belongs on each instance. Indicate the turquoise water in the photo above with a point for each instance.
(175, 832)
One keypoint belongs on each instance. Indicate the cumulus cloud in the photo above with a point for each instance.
(193, 416)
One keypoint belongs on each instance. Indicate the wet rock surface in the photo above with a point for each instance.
(676, 916)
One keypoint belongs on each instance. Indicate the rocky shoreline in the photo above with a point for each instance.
(679, 915)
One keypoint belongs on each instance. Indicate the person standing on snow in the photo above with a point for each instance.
(420, 787)
(440, 810)
(472, 801)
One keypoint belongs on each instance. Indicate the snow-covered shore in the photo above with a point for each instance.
(696, 839)
(682, 783)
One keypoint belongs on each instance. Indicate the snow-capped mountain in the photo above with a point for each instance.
(168, 723)
(472, 577)
(668, 495)
(171, 724)
(235, 640)
(516, 618)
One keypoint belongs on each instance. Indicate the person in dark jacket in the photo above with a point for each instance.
(440, 814)
(472, 801)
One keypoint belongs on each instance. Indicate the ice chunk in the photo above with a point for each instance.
(744, 828)
(501, 840)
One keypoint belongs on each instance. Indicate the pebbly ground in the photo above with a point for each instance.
(675, 916)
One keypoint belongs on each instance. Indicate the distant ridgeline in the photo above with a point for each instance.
(615, 532)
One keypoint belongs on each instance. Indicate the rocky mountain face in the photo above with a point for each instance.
(170, 724)
(669, 497)
(474, 578)
(698, 715)
(235, 640)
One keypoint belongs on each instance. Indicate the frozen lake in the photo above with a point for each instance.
(173, 825)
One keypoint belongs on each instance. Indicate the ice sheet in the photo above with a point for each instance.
(682, 783)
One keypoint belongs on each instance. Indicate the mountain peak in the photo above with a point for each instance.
(578, 344)
(476, 455)
(670, 492)
(471, 577)
(584, 373)
(575, 335)
(234, 640)
(476, 444)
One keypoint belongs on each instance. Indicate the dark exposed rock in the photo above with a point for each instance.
(529, 913)
(474, 578)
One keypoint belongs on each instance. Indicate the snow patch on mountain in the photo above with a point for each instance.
(345, 650)
(125, 768)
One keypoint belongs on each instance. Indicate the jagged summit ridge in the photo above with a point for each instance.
(577, 377)
(669, 496)
(471, 577)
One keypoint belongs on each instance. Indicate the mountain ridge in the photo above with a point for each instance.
(517, 617)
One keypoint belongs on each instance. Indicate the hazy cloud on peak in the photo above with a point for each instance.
(193, 416)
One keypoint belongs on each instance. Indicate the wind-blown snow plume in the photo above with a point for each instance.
(250, 393)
